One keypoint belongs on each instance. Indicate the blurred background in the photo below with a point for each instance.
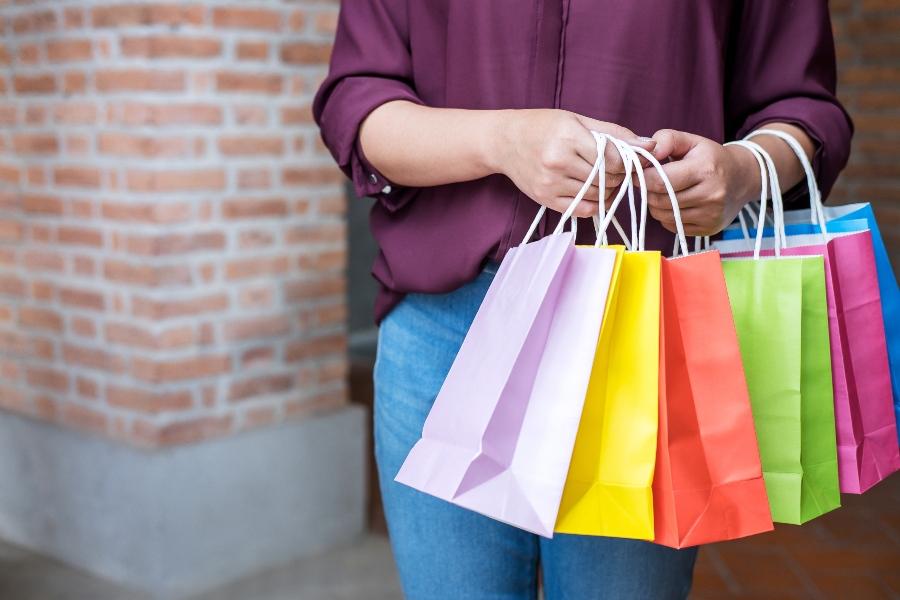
(186, 335)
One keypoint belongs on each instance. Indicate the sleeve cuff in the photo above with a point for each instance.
(826, 123)
(349, 105)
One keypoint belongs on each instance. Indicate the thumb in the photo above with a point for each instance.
(671, 143)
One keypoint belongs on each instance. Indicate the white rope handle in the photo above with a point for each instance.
(679, 226)
(601, 140)
(759, 223)
(766, 164)
(817, 214)
(630, 162)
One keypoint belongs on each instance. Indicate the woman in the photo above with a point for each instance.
(462, 116)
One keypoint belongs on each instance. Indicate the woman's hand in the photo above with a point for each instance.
(549, 153)
(711, 181)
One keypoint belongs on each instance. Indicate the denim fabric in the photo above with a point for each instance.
(446, 552)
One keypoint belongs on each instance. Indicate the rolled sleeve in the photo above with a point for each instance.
(784, 71)
(370, 65)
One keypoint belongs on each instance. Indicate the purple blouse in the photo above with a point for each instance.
(718, 68)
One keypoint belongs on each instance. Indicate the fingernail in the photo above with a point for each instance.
(646, 139)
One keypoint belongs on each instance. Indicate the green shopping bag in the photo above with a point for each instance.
(781, 318)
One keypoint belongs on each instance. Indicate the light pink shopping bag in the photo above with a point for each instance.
(499, 437)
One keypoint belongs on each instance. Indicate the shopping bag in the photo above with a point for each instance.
(499, 436)
(864, 415)
(608, 488)
(708, 485)
(780, 314)
(797, 221)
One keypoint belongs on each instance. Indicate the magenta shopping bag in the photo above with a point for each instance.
(863, 406)
(499, 437)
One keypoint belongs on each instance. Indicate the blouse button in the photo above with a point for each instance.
(386, 189)
(373, 178)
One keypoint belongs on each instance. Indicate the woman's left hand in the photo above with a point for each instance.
(711, 181)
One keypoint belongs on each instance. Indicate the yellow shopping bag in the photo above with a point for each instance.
(608, 487)
(608, 490)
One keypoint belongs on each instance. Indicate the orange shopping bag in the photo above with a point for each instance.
(708, 484)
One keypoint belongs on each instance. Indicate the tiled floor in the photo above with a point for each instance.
(853, 552)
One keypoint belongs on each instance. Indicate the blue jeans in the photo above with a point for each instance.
(443, 551)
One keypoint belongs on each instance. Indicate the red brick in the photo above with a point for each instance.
(260, 386)
(158, 213)
(78, 177)
(171, 46)
(173, 243)
(316, 347)
(314, 289)
(139, 80)
(34, 84)
(74, 82)
(86, 388)
(249, 82)
(11, 231)
(93, 358)
(169, 309)
(40, 318)
(145, 146)
(255, 327)
(247, 18)
(141, 113)
(35, 143)
(305, 53)
(81, 298)
(320, 233)
(252, 208)
(146, 275)
(296, 115)
(74, 18)
(75, 113)
(303, 176)
(47, 378)
(34, 22)
(50, 205)
(11, 285)
(69, 50)
(40, 260)
(176, 181)
(80, 236)
(252, 50)
(147, 402)
(247, 145)
(254, 179)
(195, 367)
(83, 327)
(176, 13)
(256, 267)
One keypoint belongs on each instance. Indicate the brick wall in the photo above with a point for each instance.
(867, 34)
(172, 232)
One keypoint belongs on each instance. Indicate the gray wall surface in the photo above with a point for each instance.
(189, 518)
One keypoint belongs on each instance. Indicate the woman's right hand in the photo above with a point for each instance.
(549, 153)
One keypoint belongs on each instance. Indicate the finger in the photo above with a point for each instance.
(585, 208)
(696, 221)
(579, 168)
(682, 174)
(570, 188)
(671, 143)
(693, 197)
